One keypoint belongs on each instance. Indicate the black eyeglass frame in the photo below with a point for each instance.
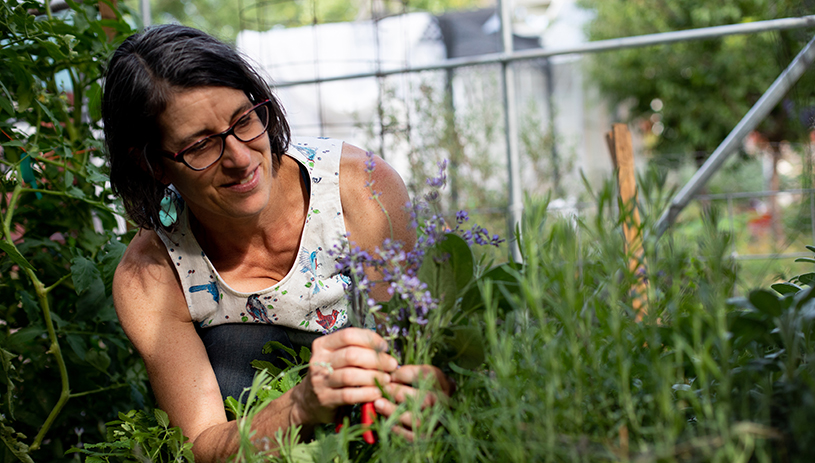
(179, 155)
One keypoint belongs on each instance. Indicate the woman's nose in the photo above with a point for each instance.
(237, 155)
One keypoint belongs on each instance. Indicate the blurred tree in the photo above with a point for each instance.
(225, 18)
(690, 95)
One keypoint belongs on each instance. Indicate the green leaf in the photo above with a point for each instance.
(461, 371)
(95, 175)
(13, 254)
(505, 277)
(8, 368)
(6, 99)
(24, 96)
(75, 192)
(95, 101)
(54, 120)
(785, 288)
(23, 339)
(10, 437)
(462, 344)
(447, 268)
(77, 344)
(5, 105)
(112, 254)
(264, 365)
(234, 406)
(805, 259)
(305, 354)
(84, 274)
(98, 359)
(162, 418)
(807, 279)
(93, 301)
(68, 180)
(288, 381)
(272, 346)
(811, 248)
(31, 307)
(766, 302)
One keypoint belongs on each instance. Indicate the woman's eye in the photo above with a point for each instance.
(200, 147)
(245, 120)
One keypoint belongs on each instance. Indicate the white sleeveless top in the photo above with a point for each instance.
(311, 297)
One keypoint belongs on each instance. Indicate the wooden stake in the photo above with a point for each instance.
(622, 156)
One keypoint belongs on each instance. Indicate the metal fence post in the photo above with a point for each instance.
(511, 133)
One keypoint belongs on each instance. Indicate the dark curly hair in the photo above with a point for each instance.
(141, 78)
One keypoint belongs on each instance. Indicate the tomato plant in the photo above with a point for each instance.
(66, 365)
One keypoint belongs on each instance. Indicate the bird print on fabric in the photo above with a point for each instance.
(308, 152)
(257, 310)
(327, 321)
(308, 264)
(211, 288)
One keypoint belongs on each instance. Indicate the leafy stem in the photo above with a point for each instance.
(58, 282)
(42, 296)
(101, 389)
(98, 204)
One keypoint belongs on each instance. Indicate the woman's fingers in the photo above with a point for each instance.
(350, 377)
(351, 337)
(415, 374)
(407, 422)
(401, 392)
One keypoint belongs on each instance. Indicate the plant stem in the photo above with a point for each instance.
(42, 296)
(59, 282)
(98, 204)
(101, 389)
(64, 395)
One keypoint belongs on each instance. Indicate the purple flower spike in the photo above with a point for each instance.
(370, 164)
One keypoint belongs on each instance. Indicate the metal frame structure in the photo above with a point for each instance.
(771, 98)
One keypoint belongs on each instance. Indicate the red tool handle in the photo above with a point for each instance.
(368, 417)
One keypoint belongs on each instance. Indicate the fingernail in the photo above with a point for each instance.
(387, 378)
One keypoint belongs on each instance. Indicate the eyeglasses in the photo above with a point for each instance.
(208, 150)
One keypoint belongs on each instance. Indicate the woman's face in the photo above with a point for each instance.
(239, 184)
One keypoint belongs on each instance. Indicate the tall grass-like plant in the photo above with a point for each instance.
(567, 374)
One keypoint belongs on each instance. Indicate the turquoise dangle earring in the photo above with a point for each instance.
(168, 214)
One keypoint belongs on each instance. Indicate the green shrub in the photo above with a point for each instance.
(67, 367)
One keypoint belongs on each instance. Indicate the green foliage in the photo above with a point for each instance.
(139, 436)
(62, 347)
(703, 87)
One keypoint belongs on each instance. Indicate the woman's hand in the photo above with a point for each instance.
(346, 368)
(403, 385)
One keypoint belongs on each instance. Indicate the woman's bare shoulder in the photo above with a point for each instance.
(374, 199)
(145, 285)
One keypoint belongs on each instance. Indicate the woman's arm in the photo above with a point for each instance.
(154, 315)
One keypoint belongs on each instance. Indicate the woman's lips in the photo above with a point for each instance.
(245, 184)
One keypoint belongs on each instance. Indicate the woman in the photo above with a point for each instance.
(236, 224)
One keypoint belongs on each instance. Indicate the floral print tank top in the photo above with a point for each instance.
(311, 297)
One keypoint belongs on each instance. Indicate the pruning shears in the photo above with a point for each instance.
(356, 317)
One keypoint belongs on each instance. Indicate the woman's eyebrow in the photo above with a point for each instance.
(203, 133)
